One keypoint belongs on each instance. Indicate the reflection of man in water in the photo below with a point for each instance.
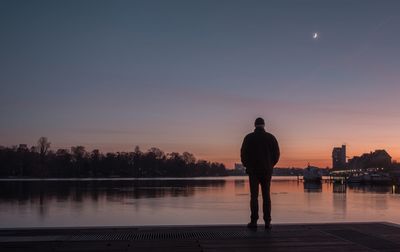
(259, 154)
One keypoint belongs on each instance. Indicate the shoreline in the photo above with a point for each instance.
(148, 178)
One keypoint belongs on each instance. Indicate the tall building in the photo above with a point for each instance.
(339, 157)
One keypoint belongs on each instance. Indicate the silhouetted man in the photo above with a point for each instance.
(259, 154)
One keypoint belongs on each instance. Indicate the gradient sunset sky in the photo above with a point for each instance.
(193, 75)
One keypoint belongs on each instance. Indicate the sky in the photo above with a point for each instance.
(194, 75)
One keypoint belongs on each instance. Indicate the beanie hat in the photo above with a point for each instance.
(259, 122)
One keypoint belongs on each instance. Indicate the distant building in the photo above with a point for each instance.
(376, 159)
(239, 168)
(23, 147)
(339, 157)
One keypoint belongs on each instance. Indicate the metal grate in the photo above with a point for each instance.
(364, 239)
(126, 236)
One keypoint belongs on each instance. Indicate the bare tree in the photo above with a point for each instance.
(43, 146)
(188, 158)
(78, 152)
(159, 154)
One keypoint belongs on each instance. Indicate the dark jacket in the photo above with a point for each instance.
(259, 152)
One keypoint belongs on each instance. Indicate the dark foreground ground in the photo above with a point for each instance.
(304, 237)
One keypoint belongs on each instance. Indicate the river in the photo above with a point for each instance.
(173, 201)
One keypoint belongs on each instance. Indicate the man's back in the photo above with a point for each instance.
(260, 152)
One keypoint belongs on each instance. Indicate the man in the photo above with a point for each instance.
(259, 154)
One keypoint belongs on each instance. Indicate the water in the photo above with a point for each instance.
(121, 202)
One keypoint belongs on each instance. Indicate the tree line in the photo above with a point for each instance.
(42, 162)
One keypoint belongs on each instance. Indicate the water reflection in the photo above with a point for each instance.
(339, 188)
(339, 200)
(240, 183)
(312, 186)
(361, 188)
(395, 189)
(79, 190)
(187, 201)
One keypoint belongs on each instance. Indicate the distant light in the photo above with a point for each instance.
(315, 35)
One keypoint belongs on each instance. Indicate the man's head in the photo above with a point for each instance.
(259, 123)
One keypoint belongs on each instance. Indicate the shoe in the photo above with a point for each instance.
(268, 226)
(252, 225)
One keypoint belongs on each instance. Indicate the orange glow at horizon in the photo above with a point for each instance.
(301, 159)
